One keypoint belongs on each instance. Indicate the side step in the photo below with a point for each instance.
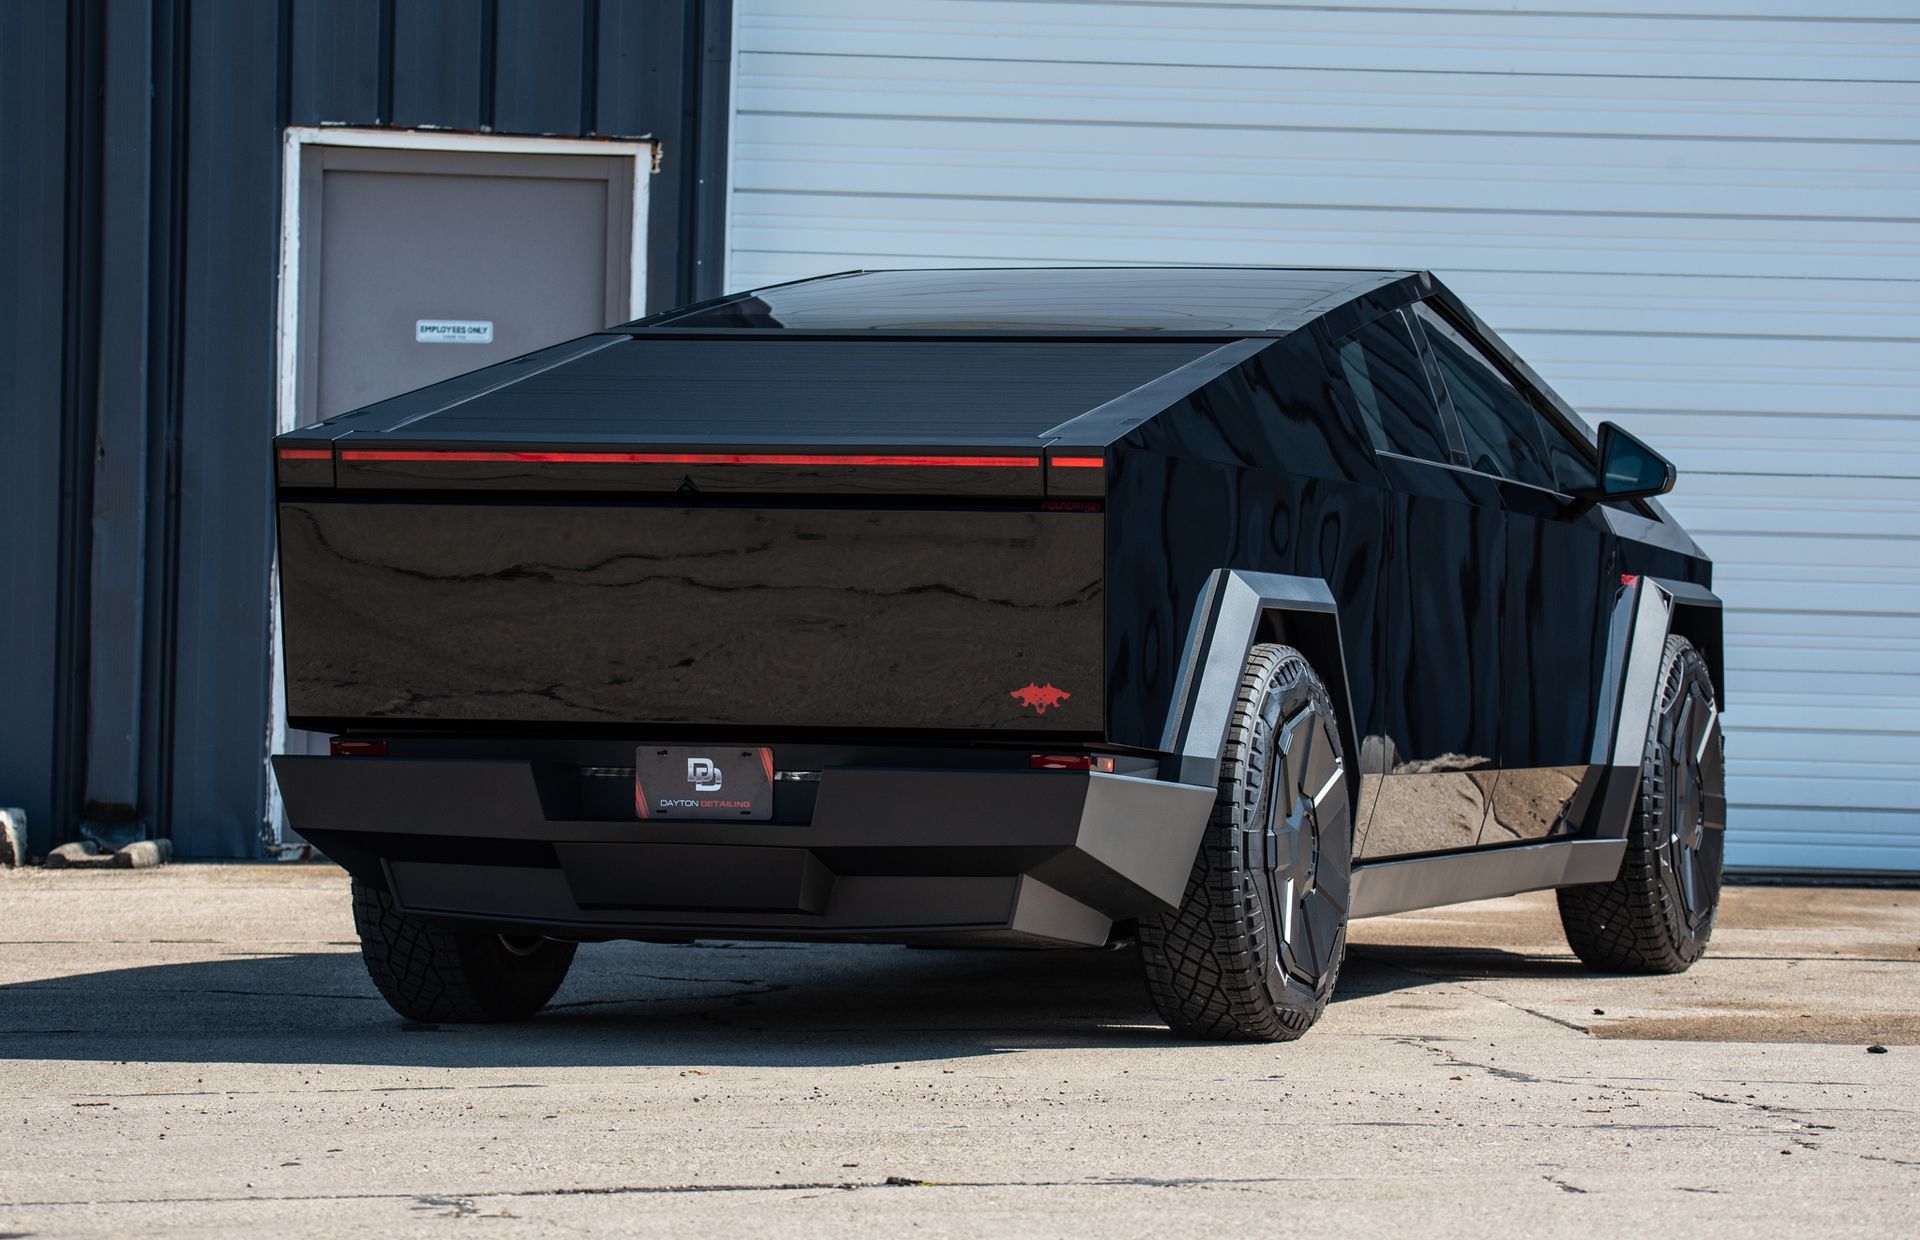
(1383, 887)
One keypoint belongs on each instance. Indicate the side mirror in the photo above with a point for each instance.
(1629, 469)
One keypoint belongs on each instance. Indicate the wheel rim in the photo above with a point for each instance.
(1306, 869)
(1695, 841)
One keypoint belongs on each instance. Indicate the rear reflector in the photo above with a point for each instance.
(356, 749)
(1070, 762)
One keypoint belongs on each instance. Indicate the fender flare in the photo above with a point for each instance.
(1236, 609)
(1650, 611)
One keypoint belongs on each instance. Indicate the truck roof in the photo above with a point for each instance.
(1224, 301)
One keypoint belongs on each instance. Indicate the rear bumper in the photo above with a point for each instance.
(888, 854)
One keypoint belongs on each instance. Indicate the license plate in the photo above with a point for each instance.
(686, 781)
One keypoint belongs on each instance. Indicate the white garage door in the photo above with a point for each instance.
(1704, 225)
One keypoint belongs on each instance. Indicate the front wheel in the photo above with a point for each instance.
(434, 975)
(1254, 949)
(1657, 915)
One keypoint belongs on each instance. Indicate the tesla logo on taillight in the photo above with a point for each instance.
(1039, 697)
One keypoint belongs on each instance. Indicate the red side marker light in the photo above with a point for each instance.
(1070, 762)
(356, 749)
(1629, 579)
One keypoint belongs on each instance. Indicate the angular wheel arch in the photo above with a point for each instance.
(1236, 609)
(1698, 617)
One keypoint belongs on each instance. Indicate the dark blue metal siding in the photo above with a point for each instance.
(542, 61)
(337, 61)
(227, 402)
(34, 761)
(137, 384)
(439, 75)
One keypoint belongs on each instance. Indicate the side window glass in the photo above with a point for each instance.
(1499, 424)
(1572, 467)
(1383, 372)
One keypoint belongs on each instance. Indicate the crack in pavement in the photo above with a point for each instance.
(276, 1093)
(1450, 1060)
(625, 1190)
(1747, 1102)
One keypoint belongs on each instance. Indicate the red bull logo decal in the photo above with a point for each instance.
(1040, 697)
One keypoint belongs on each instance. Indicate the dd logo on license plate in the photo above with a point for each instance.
(687, 782)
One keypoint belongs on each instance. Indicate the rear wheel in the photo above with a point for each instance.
(432, 974)
(1254, 949)
(1657, 916)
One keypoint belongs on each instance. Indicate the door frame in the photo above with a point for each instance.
(644, 158)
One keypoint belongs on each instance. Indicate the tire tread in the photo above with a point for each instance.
(1204, 960)
(1626, 925)
(434, 975)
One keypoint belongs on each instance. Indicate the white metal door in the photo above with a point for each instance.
(408, 258)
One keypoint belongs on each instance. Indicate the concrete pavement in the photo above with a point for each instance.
(197, 1050)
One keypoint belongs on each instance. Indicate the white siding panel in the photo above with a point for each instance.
(1702, 221)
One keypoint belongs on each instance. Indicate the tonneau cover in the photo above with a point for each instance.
(652, 413)
(607, 389)
(811, 391)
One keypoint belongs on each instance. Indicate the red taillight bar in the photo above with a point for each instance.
(1080, 462)
(694, 458)
(306, 454)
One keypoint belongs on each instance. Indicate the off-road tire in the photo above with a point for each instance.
(434, 975)
(1657, 915)
(1238, 959)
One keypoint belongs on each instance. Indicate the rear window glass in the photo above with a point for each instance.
(1228, 300)
(1389, 386)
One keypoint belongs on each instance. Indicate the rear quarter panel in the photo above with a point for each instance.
(1258, 470)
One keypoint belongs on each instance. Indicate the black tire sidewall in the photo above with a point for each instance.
(1631, 923)
(1209, 962)
(430, 973)
(1681, 669)
(1291, 686)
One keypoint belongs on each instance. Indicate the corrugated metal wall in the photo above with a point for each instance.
(1697, 221)
(140, 147)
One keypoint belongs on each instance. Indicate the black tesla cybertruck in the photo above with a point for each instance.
(1209, 608)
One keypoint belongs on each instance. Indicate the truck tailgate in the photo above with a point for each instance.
(612, 611)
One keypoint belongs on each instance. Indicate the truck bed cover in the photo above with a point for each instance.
(621, 389)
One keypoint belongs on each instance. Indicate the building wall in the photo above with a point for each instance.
(1698, 223)
(139, 240)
